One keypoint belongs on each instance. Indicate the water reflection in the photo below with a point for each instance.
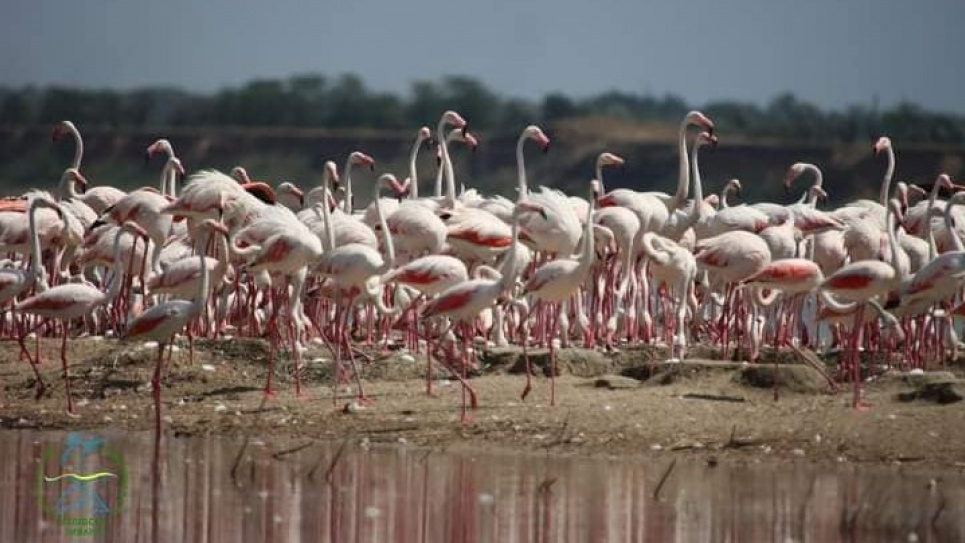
(210, 489)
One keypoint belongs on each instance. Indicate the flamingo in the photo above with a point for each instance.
(73, 300)
(556, 282)
(148, 208)
(465, 301)
(557, 231)
(415, 229)
(162, 321)
(353, 267)
(861, 282)
(97, 198)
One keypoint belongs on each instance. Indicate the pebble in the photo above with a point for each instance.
(107, 418)
(916, 371)
(318, 341)
(168, 419)
(175, 349)
(656, 447)
(96, 338)
(402, 441)
(149, 345)
(219, 408)
(798, 452)
(372, 512)
(407, 358)
(207, 367)
(82, 402)
(485, 498)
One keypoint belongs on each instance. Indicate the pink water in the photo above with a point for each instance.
(213, 489)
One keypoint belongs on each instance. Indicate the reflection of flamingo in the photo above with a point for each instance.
(71, 301)
(162, 321)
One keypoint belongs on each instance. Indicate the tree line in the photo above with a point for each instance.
(313, 100)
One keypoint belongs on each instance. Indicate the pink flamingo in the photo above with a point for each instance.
(464, 302)
(556, 282)
(160, 322)
(71, 301)
(97, 198)
(861, 282)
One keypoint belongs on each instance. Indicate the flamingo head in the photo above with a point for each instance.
(291, 188)
(400, 189)
(160, 146)
(882, 144)
(330, 174)
(61, 129)
(796, 170)
(819, 192)
(610, 159)
(174, 163)
(454, 119)
(240, 174)
(735, 185)
(72, 175)
(424, 135)
(707, 138)
(697, 118)
(358, 158)
(470, 140)
(536, 134)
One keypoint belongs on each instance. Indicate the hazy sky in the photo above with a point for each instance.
(832, 52)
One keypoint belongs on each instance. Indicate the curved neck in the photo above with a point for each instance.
(328, 242)
(680, 196)
(892, 238)
(347, 203)
(115, 287)
(201, 298)
(389, 261)
(446, 165)
(78, 146)
(589, 250)
(37, 267)
(818, 182)
(886, 182)
(509, 271)
(413, 175)
(521, 167)
(950, 226)
(67, 189)
(698, 184)
(723, 196)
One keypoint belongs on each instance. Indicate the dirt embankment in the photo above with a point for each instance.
(623, 403)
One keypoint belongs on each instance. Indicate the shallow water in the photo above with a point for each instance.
(213, 489)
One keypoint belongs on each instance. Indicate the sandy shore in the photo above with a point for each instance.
(627, 403)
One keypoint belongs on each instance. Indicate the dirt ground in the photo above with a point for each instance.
(625, 403)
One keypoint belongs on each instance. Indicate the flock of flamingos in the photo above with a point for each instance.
(446, 273)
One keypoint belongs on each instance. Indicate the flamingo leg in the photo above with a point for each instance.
(63, 359)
